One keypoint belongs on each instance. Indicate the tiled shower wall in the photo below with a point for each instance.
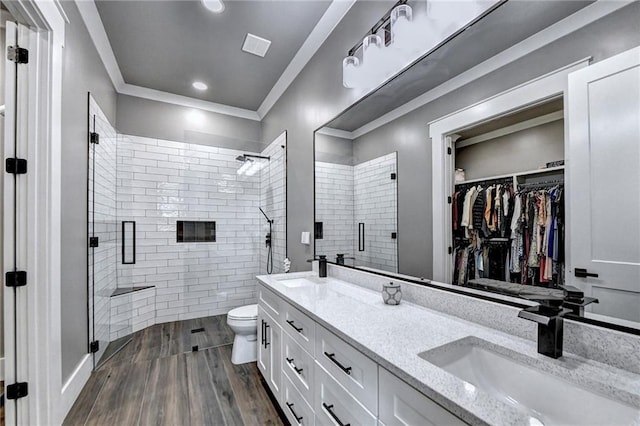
(349, 195)
(273, 202)
(375, 201)
(335, 209)
(102, 221)
(160, 182)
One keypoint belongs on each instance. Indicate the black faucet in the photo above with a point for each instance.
(548, 315)
(340, 258)
(322, 265)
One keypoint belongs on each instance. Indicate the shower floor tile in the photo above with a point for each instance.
(158, 379)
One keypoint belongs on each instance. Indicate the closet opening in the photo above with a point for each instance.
(507, 208)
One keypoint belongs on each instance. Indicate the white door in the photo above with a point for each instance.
(603, 184)
(16, 234)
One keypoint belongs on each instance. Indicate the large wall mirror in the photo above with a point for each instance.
(505, 196)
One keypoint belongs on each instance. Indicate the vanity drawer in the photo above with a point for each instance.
(299, 366)
(334, 405)
(271, 303)
(300, 327)
(296, 409)
(401, 404)
(353, 370)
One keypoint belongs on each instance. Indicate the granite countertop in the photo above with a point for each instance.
(393, 336)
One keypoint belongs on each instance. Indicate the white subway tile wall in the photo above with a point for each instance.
(375, 201)
(335, 209)
(161, 182)
(273, 195)
(102, 224)
(131, 312)
(349, 195)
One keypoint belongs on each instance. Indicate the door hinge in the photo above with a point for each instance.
(449, 150)
(450, 250)
(18, 54)
(16, 278)
(16, 166)
(394, 235)
(94, 346)
(94, 242)
(449, 200)
(393, 176)
(17, 390)
(94, 138)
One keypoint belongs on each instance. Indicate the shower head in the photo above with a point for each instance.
(242, 158)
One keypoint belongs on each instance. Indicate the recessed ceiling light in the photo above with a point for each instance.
(256, 45)
(199, 85)
(216, 6)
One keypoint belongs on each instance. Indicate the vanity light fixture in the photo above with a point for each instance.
(198, 85)
(403, 35)
(216, 6)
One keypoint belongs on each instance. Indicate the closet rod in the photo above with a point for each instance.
(542, 184)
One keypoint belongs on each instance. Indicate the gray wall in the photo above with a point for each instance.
(83, 72)
(314, 98)
(408, 135)
(333, 149)
(521, 151)
(152, 119)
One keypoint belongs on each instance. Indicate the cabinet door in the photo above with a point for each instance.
(603, 180)
(263, 351)
(400, 404)
(274, 346)
(270, 352)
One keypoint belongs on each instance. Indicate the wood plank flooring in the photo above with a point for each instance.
(158, 380)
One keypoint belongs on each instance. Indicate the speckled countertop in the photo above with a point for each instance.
(393, 336)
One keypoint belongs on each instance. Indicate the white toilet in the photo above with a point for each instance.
(244, 323)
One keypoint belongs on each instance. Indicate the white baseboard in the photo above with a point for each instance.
(72, 388)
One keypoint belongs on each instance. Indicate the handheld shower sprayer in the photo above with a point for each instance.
(268, 243)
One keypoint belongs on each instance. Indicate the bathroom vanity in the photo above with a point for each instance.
(333, 353)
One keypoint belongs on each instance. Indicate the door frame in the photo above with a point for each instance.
(441, 137)
(39, 322)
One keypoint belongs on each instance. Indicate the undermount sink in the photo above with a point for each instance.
(298, 282)
(547, 399)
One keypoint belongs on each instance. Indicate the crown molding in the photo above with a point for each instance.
(172, 98)
(325, 26)
(566, 26)
(91, 17)
(329, 131)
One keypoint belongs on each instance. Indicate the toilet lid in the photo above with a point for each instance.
(248, 312)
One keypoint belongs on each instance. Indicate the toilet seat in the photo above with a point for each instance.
(244, 313)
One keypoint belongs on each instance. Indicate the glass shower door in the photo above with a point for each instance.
(102, 229)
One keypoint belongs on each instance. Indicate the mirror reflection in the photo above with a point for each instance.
(356, 206)
(529, 190)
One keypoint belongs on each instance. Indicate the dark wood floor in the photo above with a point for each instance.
(157, 379)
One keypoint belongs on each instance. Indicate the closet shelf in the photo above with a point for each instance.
(516, 175)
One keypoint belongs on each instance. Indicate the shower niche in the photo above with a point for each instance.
(176, 230)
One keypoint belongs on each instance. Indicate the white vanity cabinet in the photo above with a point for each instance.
(402, 405)
(319, 379)
(270, 351)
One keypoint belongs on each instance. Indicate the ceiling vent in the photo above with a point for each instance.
(256, 45)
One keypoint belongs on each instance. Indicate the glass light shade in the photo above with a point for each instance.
(401, 18)
(350, 66)
(373, 66)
